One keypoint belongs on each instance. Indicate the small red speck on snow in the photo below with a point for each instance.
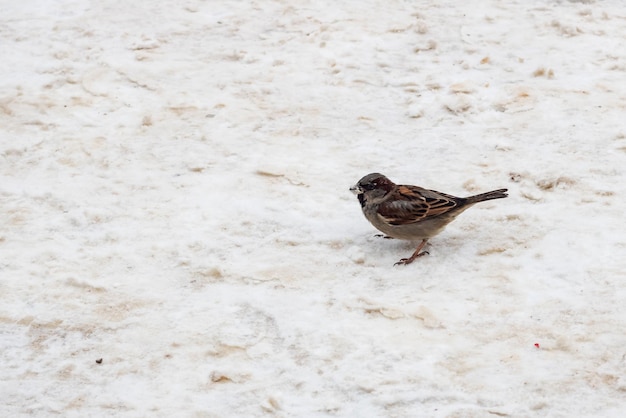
(537, 345)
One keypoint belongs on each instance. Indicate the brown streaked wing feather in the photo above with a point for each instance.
(411, 204)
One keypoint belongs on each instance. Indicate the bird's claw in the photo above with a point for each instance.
(383, 236)
(405, 261)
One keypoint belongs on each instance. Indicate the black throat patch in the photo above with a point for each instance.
(361, 197)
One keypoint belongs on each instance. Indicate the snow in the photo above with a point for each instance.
(174, 198)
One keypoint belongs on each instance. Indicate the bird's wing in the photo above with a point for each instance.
(410, 204)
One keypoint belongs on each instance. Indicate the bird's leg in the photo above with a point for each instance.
(383, 236)
(405, 261)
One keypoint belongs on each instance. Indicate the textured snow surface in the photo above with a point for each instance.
(177, 237)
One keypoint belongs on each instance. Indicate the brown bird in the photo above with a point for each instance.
(411, 212)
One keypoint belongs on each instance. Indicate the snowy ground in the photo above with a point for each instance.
(174, 201)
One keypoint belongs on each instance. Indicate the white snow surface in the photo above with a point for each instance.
(174, 203)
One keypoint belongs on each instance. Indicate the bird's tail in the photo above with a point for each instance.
(494, 194)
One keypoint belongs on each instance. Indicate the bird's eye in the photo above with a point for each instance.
(369, 186)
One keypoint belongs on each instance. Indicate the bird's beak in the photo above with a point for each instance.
(356, 189)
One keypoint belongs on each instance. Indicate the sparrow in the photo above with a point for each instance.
(411, 212)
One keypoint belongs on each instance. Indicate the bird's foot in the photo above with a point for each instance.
(383, 236)
(417, 253)
(405, 261)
